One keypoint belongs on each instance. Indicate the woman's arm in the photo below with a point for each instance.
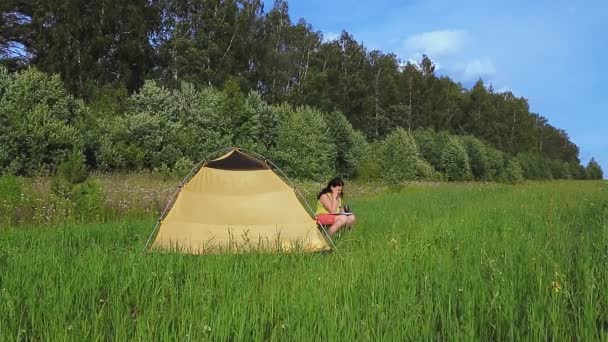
(329, 202)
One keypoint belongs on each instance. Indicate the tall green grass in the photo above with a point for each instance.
(450, 261)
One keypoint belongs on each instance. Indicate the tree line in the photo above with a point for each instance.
(106, 52)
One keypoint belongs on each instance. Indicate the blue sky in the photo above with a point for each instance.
(550, 52)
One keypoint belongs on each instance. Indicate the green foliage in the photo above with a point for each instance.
(513, 172)
(161, 126)
(399, 157)
(496, 164)
(260, 129)
(369, 166)
(39, 123)
(431, 146)
(478, 158)
(88, 200)
(424, 171)
(582, 172)
(183, 166)
(534, 166)
(239, 47)
(74, 169)
(14, 196)
(594, 170)
(350, 144)
(560, 169)
(455, 161)
(304, 147)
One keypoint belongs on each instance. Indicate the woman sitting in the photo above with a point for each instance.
(329, 207)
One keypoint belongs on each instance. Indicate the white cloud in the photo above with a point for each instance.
(436, 43)
(477, 68)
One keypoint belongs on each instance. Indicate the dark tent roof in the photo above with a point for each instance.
(237, 161)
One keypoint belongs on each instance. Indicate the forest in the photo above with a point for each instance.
(158, 84)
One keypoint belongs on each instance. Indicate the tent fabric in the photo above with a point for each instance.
(238, 208)
(237, 160)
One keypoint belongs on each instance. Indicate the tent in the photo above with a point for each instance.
(237, 203)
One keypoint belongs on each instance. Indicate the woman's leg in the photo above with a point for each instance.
(350, 220)
(338, 223)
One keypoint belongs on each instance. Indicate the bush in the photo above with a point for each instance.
(40, 122)
(399, 157)
(350, 144)
(513, 172)
(431, 145)
(259, 132)
(88, 201)
(183, 166)
(368, 168)
(594, 170)
(534, 166)
(424, 171)
(304, 149)
(74, 169)
(455, 161)
(560, 169)
(478, 158)
(496, 164)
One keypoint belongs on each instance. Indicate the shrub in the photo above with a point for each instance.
(40, 122)
(74, 169)
(183, 166)
(399, 157)
(455, 161)
(259, 132)
(304, 149)
(88, 200)
(368, 168)
(496, 164)
(350, 144)
(560, 169)
(513, 172)
(431, 145)
(478, 158)
(594, 170)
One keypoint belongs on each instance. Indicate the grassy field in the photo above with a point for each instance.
(448, 261)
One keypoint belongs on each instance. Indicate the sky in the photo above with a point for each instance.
(550, 52)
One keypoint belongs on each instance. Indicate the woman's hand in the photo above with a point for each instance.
(335, 192)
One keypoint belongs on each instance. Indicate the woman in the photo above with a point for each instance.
(329, 204)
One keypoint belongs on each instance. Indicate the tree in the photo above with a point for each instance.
(399, 157)
(594, 170)
(455, 161)
(40, 123)
(304, 148)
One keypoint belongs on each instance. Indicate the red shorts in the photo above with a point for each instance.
(326, 219)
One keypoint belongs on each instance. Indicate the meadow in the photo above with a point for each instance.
(462, 261)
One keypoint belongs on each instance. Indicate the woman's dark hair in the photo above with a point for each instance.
(334, 182)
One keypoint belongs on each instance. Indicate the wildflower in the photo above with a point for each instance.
(556, 286)
(207, 328)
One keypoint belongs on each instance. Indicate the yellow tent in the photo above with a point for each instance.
(237, 203)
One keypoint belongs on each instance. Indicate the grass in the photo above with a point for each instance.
(449, 261)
